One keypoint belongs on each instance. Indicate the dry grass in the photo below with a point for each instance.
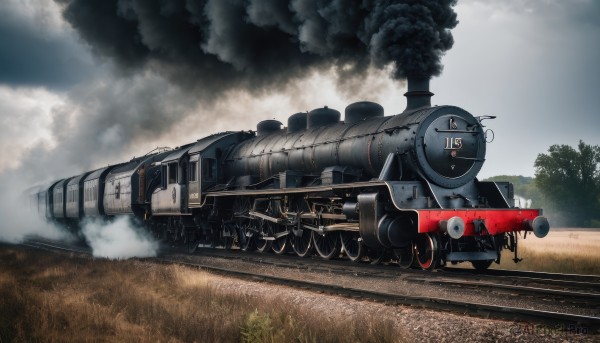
(573, 251)
(55, 298)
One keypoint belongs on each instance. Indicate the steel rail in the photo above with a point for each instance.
(587, 297)
(582, 280)
(339, 266)
(592, 323)
(573, 292)
(46, 246)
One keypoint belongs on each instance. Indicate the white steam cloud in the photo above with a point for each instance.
(522, 202)
(119, 239)
(18, 221)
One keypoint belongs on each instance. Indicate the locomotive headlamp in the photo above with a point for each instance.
(454, 227)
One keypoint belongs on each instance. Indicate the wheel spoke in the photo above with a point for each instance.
(302, 244)
(405, 257)
(427, 251)
(280, 244)
(264, 231)
(377, 256)
(232, 241)
(327, 245)
(353, 245)
(246, 236)
(300, 238)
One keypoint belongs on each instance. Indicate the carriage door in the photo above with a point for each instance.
(193, 180)
(173, 187)
(183, 182)
(209, 173)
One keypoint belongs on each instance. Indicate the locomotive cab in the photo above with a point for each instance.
(171, 197)
(206, 159)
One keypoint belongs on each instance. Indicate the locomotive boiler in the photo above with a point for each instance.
(367, 188)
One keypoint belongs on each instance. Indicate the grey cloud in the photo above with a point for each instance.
(34, 55)
(108, 121)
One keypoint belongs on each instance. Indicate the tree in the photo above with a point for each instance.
(570, 180)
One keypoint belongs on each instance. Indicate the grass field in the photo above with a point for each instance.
(53, 298)
(574, 251)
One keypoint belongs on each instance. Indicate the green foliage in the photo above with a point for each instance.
(257, 328)
(570, 180)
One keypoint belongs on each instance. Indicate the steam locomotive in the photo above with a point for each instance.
(367, 187)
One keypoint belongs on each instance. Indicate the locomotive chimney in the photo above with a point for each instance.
(418, 94)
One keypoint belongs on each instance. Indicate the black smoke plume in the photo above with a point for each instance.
(210, 46)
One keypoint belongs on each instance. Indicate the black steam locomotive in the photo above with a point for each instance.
(366, 187)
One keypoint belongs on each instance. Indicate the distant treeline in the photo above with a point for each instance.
(526, 187)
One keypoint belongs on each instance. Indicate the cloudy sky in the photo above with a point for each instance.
(79, 89)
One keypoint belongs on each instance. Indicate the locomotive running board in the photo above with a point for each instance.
(301, 190)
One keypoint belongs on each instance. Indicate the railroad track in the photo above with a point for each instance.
(571, 285)
(54, 246)
(571, 281)
(592, 323)
(528, 274)
(578, 298)
(589, 322)
(568, 293)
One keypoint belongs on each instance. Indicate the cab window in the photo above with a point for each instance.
(209, 170)
(193, 171)
(172, 173)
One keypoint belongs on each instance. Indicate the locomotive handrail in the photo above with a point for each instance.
(158, 150)
(459, 131)
(482, 118)
(470, 158)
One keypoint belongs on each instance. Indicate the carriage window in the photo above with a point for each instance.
(172, 173)
(193, 171)
(209, 170)
(118, 190)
